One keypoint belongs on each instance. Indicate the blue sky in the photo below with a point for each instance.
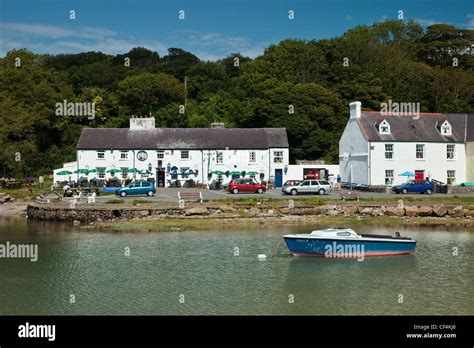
(211, 29)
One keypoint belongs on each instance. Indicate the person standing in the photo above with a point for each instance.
(338, 180)
(41, 182)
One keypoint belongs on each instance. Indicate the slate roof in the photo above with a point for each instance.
(425, 129)
(183, 138)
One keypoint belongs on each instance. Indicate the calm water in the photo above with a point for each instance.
(202, 266)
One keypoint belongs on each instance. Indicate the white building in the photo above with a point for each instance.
(376, 148)
(182, 155)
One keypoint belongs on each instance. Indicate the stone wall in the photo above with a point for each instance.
(93, 214)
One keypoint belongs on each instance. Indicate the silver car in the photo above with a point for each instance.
(309, 186)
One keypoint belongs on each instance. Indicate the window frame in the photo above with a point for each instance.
(278, 154)
(422, 152)
(187, 155)
(453, 152)
(389, 152)
(390, 178)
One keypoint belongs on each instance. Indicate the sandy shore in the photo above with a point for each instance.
(13, 209)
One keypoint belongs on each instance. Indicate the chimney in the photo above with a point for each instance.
(217, 125)
(142, 123)
(354, 107)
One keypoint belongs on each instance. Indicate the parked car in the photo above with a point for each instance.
(292, 182)
(137, 188)
(415, 186)
(309, 186)
(246, 185)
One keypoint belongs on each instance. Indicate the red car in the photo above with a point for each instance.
(246, 185)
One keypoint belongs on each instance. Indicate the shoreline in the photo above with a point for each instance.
(199, 223)
(208, 216)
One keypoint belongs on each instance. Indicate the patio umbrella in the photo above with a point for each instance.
(235, 173)
(218, 172)
(113, 171)
(406, 174)
(252, 173)
(82, 171)
(95, 170)
(134, 170)
(65, 172)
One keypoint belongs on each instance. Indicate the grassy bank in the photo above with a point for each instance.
(189, 224)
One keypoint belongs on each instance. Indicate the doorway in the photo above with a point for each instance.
(419, 175)
(160, 177)
(278, 177)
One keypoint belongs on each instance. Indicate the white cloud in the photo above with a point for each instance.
(51, 39)
(426, 22)
(470, 21)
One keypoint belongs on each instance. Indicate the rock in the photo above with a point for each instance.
(286, 210)
(401, 205)
(98, 220)
(365, 211)
(439, 210)
(5, 198)
(76, 223)
(349, 210)
(332, 212)
(411, 211)
(377, 212)
(271, 211)
(425, 211)
(196, 211)
(456, 212)
(144, 212)
(468, 213)
(314, 211)
(393, 211)
(2, 194)
(226, 208)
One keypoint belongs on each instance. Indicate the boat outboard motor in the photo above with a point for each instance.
(397, 234)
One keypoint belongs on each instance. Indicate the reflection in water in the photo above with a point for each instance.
(204, 268)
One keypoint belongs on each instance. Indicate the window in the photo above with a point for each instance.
(185, 154)
(420, 151)
(323, 182)
(123, 155)
(277, 156)
(100, 154)
(384, 127)
(160, 154)
(124, 172)
(388, 151)
(446, 128)
(252, 157)
(451, 174)
(219, 157)
(305, 183)
(450, 152)
(101, 172)
(389, 177)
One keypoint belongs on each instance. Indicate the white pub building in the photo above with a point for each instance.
(375, 148)
(180, 156)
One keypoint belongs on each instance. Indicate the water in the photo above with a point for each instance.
(201, 266)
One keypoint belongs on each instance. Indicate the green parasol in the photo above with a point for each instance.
(65, 172)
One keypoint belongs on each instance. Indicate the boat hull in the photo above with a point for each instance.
(348, 248)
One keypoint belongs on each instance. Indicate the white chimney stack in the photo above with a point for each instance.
(142, 123)
(355, 107)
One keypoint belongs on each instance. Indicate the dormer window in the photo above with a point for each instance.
(446, 128)
(384, 127)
